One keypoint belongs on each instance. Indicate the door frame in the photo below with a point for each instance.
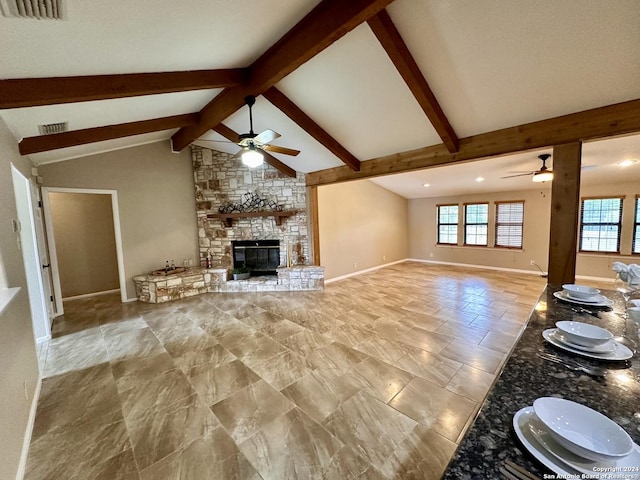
(31, 256)
(53, 256)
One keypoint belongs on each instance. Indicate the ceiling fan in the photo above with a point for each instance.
(252, 143)
(541, 175)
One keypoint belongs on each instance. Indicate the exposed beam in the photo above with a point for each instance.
(390, 39)
(291, 110)
(32, 92)
(54, 141)
(619, 119)
(326, 23)
(565, 205)
(233, 136)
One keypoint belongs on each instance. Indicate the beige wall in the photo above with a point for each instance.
(155, 200)
(85, 242)
(360, 223)
(17, 345)
(422, 232)
(423, 221)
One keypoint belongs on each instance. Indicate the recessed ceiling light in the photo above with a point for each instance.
(426, 185)
(480, 179)
(626, 163)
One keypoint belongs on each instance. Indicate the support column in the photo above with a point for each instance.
(565, 208)
(312, 225)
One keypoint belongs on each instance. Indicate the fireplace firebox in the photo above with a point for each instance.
(261, 257)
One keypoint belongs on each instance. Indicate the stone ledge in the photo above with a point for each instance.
(198, 280)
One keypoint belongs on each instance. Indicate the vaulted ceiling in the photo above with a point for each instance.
(363, 88)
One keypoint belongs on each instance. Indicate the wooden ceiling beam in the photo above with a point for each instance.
(291, 110)
(390, 39)
(619, 119)
(234, 137)
(43, 143)
(327, 22)
(33, 92)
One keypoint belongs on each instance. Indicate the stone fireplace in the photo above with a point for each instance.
(272, 240)
(222, 180)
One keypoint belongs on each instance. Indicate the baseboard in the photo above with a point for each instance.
(94, 294)
(360, 272)
(27, 436)
(129, 300)
(484, 267)
(596, 279)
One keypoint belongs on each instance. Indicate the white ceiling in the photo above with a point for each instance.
(491, 64)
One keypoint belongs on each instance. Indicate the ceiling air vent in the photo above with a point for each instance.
(40, 9)
(53, 128)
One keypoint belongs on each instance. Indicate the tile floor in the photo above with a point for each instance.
(376, 377)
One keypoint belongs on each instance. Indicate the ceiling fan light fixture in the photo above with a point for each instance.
(626, 163)
(541, 177)
(252, 158)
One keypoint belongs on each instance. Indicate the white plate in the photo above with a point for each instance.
(602, 301)
(521, 426)
(556, 461)
(593, 299)
(604, 348)
(620, 351)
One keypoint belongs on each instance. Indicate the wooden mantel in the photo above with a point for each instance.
(227, 218)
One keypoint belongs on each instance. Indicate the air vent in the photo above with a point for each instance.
(50, 128)
(40, 9)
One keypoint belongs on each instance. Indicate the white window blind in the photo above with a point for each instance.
(476, 223)
(509, 223)
(448, 224)
(600, 224)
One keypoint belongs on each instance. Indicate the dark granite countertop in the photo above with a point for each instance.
(491, 439)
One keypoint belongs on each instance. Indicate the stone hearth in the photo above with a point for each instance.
(198, 280)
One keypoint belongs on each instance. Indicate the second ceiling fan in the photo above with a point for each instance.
(544, 174)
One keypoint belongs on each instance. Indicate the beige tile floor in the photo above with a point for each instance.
(376, 377)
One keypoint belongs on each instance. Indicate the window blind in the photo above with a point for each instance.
(509, 224)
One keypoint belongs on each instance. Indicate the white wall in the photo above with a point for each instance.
(17, 345)
(156, 201)
(361, 225)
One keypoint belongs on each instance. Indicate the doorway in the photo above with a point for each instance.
(34, 256)
(81, 262)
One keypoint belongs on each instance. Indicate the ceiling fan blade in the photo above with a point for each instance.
(240, 152)
(216, 141)
(530, 172)
(266, 137)
(519, 175)
(283, 150)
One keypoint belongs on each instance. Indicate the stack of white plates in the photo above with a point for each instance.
(595, 301)
(570, 438)
(586, 340)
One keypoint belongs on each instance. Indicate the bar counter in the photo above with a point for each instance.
(525, 376)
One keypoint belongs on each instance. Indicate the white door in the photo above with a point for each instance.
(43, 252)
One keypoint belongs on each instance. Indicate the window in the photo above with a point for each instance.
(448, 224)
(476, 223)
(509, 221)
(636, 228)
(600, 224)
